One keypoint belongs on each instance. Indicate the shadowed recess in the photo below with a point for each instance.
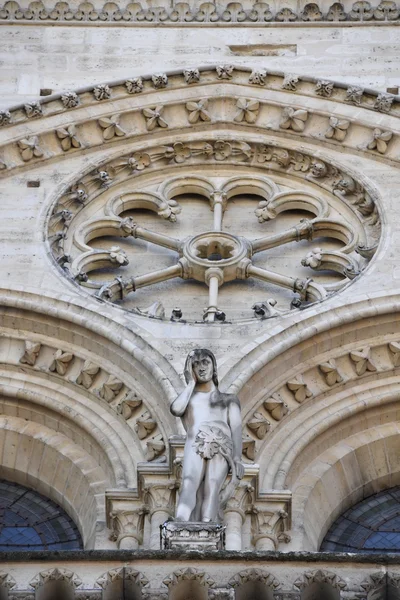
(29, 521)
(372, 525)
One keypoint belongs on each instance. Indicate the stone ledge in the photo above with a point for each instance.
(193, 555)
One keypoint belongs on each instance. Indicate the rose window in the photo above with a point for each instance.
(212, 244)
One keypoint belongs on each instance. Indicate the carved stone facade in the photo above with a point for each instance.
(199, 175)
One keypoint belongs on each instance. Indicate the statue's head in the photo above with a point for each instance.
(203, 364)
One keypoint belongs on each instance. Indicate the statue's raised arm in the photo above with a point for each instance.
(213, 445)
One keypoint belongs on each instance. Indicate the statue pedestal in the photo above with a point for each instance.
(184, 535)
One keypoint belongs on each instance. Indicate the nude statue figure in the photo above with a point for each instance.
(213, 444)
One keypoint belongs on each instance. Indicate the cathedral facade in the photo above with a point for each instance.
(202, 175)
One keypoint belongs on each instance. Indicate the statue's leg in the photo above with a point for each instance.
(193, 473)
(216, 472)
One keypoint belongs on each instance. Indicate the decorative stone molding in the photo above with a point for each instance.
(110, 388)
(384, 102)
(7, 581)
(102, 92)
(290, 83)
(154, 117)
(299, 389)
(256, 575)
(68, 138)
(160, 80)
(337, 129)
(224, 71)
(5, 118)
(205, 14)
(70, 99)
(247, 111)
(324, 88)
(320, 576)
(31, 353)
(87, 375)
(121, 574)
(258, 77)
(198, 111)
(362, 361)
(276, 407)
(293, 119)
(380, 140)
(354, 95)
(56, 574)
(29, 148)
(33, 110)
(330, 372)
(189, 574)
(191, 75)
(111, 127)
(134, 85)
(259, 425)
(61, 362)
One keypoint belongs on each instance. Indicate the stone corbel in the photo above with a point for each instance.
(271, 520)
(125, 518)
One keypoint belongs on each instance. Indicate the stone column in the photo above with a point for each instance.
(234, 520)
(160, 500)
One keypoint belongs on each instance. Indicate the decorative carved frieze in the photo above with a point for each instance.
(61, 362)
(168, 14)
(87, 375)
(189, 574)
(31, 353)
(110, 388)
(224, 71)
(154, 117)
(290, 82)
(324, 88)
(254, 575)
(354, 95)
(258, 77)
(198, 111)
(68, 138)
(384, 102)
(259, 425)
(362, 361)
(338, 129)
(70, 99)
(276, 407)
(160, 80)
(121, 574)
(293, 119)
(330, 372)
(247, 110)
(299, 389)
(102, 92)
(111, 127)
(191, 75)
(380, 140)
(34, 109)
(30, 148)
(134, 85)
(320, 576)
(56, 574)
(5, 117)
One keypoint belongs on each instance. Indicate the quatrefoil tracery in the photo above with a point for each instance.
(216, 257)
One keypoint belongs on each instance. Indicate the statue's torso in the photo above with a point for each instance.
(201, 410)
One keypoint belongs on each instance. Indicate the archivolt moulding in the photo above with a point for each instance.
(290, 106)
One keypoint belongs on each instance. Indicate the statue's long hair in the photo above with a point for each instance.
(198, 353)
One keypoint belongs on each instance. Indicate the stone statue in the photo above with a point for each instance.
(213, 445)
